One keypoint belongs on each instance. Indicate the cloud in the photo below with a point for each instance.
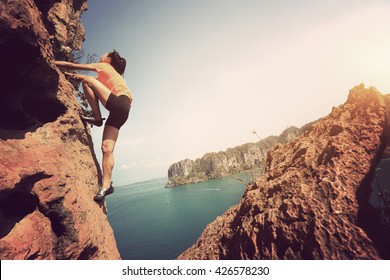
(153, 163)
(128, 166)
(207, 91)
(131, 142)
(146, 164)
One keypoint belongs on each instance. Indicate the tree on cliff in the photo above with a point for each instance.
(80, 56)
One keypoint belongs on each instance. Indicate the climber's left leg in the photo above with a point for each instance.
(110, 136)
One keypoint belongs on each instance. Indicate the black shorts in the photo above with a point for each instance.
(119, 108)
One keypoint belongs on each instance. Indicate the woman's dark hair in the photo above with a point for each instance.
(118, 62)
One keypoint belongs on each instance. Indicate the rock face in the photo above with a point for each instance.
(312, 201)
(62, 20)
(48, 170)
(233, 160)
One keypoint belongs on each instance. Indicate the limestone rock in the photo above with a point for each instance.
(48, 170)
(313, 199)
(63, 22)
(250, 156)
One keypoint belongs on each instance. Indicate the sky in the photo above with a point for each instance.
(205, 73)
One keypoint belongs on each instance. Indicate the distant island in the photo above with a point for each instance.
(246, 157)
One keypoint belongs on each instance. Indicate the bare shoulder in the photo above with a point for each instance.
(86, 67)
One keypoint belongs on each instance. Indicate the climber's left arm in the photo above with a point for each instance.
(74, 66)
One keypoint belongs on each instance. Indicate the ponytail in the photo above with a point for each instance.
(118, 62)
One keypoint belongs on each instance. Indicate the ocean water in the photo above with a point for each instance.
(151, 222)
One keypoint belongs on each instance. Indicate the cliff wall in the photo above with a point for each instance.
(48, 170)
(313, 200)
(250, 156)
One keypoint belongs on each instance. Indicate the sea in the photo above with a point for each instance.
(151, 222)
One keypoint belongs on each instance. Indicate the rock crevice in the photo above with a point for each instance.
(48, 169)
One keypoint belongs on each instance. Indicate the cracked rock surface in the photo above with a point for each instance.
(48, 170)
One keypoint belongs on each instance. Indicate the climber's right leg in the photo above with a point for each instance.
(93, 101)
(95, 91)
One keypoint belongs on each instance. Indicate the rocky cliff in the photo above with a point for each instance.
(48, 171)
(250, 156)
(313, 200)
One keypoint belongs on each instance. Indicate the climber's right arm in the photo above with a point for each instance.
(74, 66)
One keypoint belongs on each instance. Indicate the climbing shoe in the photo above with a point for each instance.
(103, 193)
(92, 121)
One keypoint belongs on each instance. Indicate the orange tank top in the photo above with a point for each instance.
(109, 77)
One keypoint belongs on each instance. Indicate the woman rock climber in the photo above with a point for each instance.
(112, 91)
